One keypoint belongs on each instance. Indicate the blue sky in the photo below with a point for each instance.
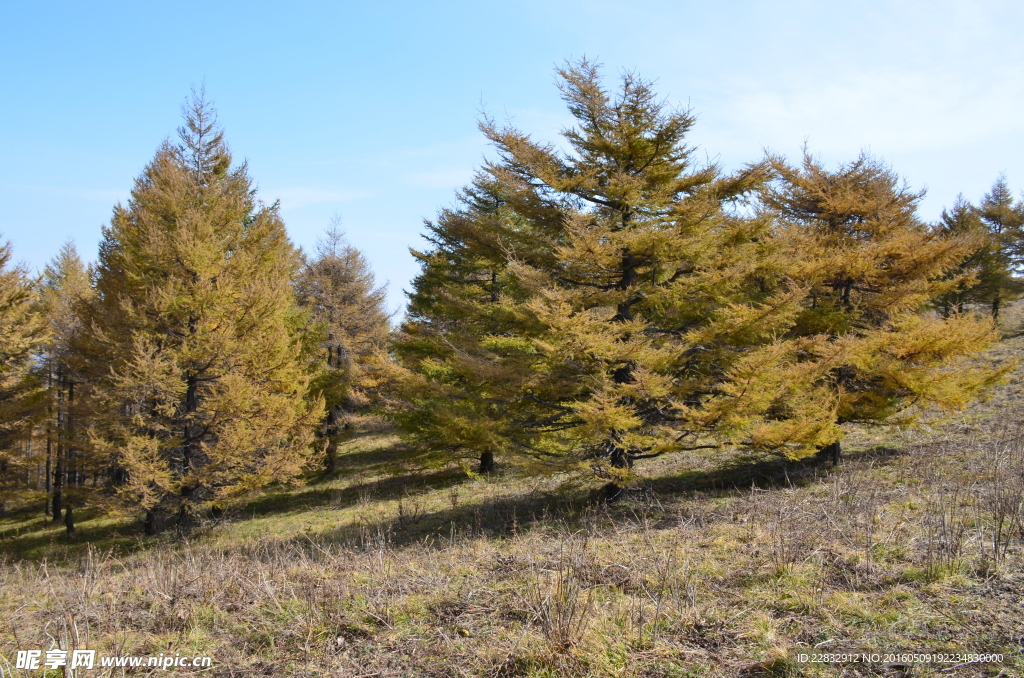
(369, 110)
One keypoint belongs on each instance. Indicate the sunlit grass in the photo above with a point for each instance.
(390, 568)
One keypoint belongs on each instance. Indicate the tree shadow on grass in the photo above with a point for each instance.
(741, 473)
(314, 496)
(48, 540)
(353, 457)
(568, 509)
(494, 518)
(572, 510)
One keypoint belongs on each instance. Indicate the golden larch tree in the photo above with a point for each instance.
(201, 370)
(872, 269)
(338, 288)
(609, 302)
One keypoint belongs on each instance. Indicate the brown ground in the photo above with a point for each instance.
(914, 544)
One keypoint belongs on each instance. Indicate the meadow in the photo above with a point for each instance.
(711, 566)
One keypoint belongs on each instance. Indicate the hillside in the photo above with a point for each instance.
(709, 568)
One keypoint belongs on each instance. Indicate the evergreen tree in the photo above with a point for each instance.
(65, 288)
(606, 304)
(454, 303)
(195, 346)
(22, 331)
(962, 220)
(871, 268)
(1000, 280)
(338, 288)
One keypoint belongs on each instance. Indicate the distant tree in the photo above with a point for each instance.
(607, 304)
(962, 220)
(22, 331)
(201, 370)
(337, 286)
(871, 269)
(1000, 278)
(64, 290)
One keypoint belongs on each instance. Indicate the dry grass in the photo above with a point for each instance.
(915, 544)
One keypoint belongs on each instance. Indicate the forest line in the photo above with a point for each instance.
(577, 312)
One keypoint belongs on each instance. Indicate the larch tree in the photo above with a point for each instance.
(607, 303)
(64, 291)
(972, 272)
(22, 332)
(338, 288)
(871, 269)
(202, 372)
(451, 405)
(1000, 279)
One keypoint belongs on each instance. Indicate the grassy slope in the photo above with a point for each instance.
(387, 571)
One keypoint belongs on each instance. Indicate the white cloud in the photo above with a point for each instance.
(900, 112)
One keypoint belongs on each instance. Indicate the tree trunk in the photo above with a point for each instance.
(618, 459)
(72, 471)
(69, 520)
(58, 483)
(624, 310)
(331, 430)
(995, 307)
(331, 458)
(49, 470)
(612, 492)
(185, 517)
(49, 438)
(833, 451)
(149, 524)
(60, 469)
(487, 463)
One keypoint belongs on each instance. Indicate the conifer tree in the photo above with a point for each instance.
(1000, 279)
(200, 368)
(972, 272)
(22, 331)
(871, 268)
(64, 290)
(454, 302)
(337, 286)
(606, 304)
